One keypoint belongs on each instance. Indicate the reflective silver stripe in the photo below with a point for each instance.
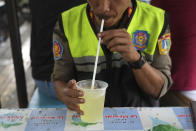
(88, 59)
(91, 59)
(90, 67)
(118, 64)
(102, 66)
(117, 60)
(86, 64)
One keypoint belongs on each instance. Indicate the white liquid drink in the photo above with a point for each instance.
(94, 101)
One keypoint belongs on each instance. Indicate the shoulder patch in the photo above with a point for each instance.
(140, 39)
(164, 44)
(57, 50)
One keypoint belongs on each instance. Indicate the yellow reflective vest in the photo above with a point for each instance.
(145, 27)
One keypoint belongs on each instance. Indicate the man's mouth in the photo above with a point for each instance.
(105, 16)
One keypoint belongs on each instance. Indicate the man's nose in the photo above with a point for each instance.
(105, 5)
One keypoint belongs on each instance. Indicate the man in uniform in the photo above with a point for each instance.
(133, 58)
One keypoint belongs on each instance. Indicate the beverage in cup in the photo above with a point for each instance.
(94, 100)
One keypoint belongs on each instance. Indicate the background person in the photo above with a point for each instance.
(44, 16)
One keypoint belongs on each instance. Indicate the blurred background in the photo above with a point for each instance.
(8, 93)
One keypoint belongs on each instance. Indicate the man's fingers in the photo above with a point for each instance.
(74, 100)
(117, 41)
(76, 108)
(73, 103)
(110, 34)
(69, 100)
(72, 84)
(73, 92)
(119, 48)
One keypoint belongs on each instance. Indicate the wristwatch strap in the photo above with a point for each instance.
(139, 63)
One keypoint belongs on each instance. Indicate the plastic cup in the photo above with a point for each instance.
(94, 100)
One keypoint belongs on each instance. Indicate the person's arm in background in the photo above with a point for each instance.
(44, 15)
(63, 73)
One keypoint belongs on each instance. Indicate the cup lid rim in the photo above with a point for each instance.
(102, 88)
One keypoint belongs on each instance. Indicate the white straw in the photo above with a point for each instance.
(97, 56)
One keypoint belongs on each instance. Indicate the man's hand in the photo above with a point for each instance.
(149, 79)
(69, 95)
(119, 40)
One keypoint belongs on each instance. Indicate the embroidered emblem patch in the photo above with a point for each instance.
(57, 50)
(164, 44)
(140, 39)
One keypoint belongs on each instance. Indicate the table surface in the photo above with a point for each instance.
(118, 119)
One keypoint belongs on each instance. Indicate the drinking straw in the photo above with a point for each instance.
(97, 56)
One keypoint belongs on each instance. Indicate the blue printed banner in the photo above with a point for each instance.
(184, 116)
(46, 120)
(122, 119)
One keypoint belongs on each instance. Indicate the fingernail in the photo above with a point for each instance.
(73, 81)
(81, 113)
(80, 93)
(82, 100)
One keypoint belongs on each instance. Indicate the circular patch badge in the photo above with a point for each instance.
(57, 50)
(140, 39)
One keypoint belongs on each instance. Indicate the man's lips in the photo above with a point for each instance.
(105, 16)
